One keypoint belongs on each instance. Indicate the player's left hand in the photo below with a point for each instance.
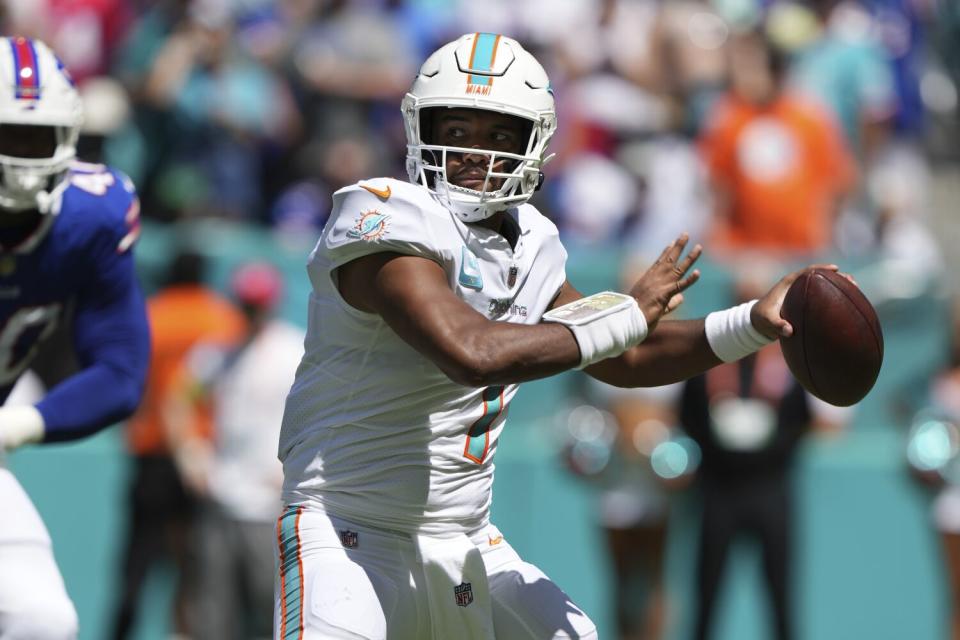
(659, 290)
(765, 315)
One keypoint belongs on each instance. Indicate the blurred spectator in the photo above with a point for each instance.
(301, 209)
(212, 115)
(947, 37)
(779, 168)
(687, 48)
(899, 186)
(933, 454)
(351, 67)
(635, 95)
(161, 507)
(85, 33)
(633, 501)
(595, 216)
(675, 194)
(748, 417)
(237, 473)
(846, 68)
(901, 29)
(602, 106)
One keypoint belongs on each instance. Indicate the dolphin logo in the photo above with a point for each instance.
(372, 225)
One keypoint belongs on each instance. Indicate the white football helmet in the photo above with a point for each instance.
(36, 91)
(481, 71)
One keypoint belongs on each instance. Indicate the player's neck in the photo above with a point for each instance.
(17, 226)
(12, 219)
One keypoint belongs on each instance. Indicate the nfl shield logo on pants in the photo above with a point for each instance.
(463, 594)
(349, 539)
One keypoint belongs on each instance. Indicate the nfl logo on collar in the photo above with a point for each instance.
(463, 594)
(349, 539)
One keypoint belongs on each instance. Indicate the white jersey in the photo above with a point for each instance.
(373, 430)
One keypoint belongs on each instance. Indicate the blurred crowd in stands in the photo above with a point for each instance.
(257, 110)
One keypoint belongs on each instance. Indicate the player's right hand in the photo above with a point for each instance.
(660, 289)
(765, 315)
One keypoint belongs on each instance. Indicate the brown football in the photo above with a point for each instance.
(836, 348)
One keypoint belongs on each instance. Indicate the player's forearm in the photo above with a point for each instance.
(94, 398)
(112, 341)
(675, 351)
(506, 353)
(468, 347)
(576, 334)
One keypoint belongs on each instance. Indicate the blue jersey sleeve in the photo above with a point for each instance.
(110, 330)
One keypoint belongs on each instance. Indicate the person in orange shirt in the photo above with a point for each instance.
(778, 165)
(182, 314)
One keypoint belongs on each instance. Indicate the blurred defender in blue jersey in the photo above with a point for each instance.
(66, 234)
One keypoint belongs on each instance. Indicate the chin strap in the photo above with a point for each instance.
(48, 202)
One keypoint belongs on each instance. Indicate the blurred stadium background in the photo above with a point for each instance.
(237, 119)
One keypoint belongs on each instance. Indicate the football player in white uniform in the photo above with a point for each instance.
(431, 301)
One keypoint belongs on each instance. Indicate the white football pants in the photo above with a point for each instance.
(33, 600)
(339, 580)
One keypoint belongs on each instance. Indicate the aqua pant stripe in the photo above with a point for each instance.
(291, 574)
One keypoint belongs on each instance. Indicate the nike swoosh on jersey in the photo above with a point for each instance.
(470, 271)
(380, 193)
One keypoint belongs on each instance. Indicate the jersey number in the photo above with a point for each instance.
(21, 337)
(478, 437)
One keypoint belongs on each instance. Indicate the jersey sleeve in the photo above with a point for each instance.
(551, 254)
(362, 223)
(110, 332)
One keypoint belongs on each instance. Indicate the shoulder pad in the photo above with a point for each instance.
(387, 193)
(104, 199)
(531, 218)
(382, 214)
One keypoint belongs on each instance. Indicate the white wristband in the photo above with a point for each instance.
(605, 325)
(731, 334)
(20, 425)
